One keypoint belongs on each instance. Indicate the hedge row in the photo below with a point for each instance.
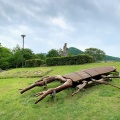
(33, 63)
(74, 60)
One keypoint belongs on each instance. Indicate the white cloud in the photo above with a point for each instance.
(61, 22)
(6, 16)
(49, 24)
(7, 41)
(20, 29)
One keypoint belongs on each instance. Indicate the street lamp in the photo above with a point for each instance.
(23, 51)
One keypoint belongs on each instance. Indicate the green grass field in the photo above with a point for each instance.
(100, 102)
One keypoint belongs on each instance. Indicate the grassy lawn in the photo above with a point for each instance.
(99, 102)
(25, 72)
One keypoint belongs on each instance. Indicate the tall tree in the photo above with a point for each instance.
(5, 55)
(28, 54)
(41, 56)
(17, 55)
(53, 53)
(97, 54)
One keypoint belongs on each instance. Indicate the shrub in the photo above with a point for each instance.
(73, 60)
(33, 63)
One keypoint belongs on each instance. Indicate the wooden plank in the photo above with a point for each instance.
(91, 72)
(73, 76)
(110, 68)
(87, 73)
(83, 74)
(101, 70)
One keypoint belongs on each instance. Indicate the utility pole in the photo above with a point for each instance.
(23, 51)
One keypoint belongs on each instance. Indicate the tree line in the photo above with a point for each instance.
(13, 58)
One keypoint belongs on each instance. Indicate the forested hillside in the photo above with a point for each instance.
(76, 51)
(111, 58)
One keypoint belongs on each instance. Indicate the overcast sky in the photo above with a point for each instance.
(48, 24)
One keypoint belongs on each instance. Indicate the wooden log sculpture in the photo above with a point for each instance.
(77, 79)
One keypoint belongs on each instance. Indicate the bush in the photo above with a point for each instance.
(73, 60)
(33, 63)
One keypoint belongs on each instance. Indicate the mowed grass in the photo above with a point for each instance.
(100, 102)
(25, 72)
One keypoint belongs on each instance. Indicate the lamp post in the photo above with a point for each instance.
(23, 51)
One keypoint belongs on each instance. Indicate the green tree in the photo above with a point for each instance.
(41, 56)
(17, 55)
(5, 56)
(28, 54)
(97, 54)
(53, 53)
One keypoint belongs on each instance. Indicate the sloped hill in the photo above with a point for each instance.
(74, 51)
(111, 58)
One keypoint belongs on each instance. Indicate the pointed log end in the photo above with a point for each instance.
(36, 102)
(21, 91)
